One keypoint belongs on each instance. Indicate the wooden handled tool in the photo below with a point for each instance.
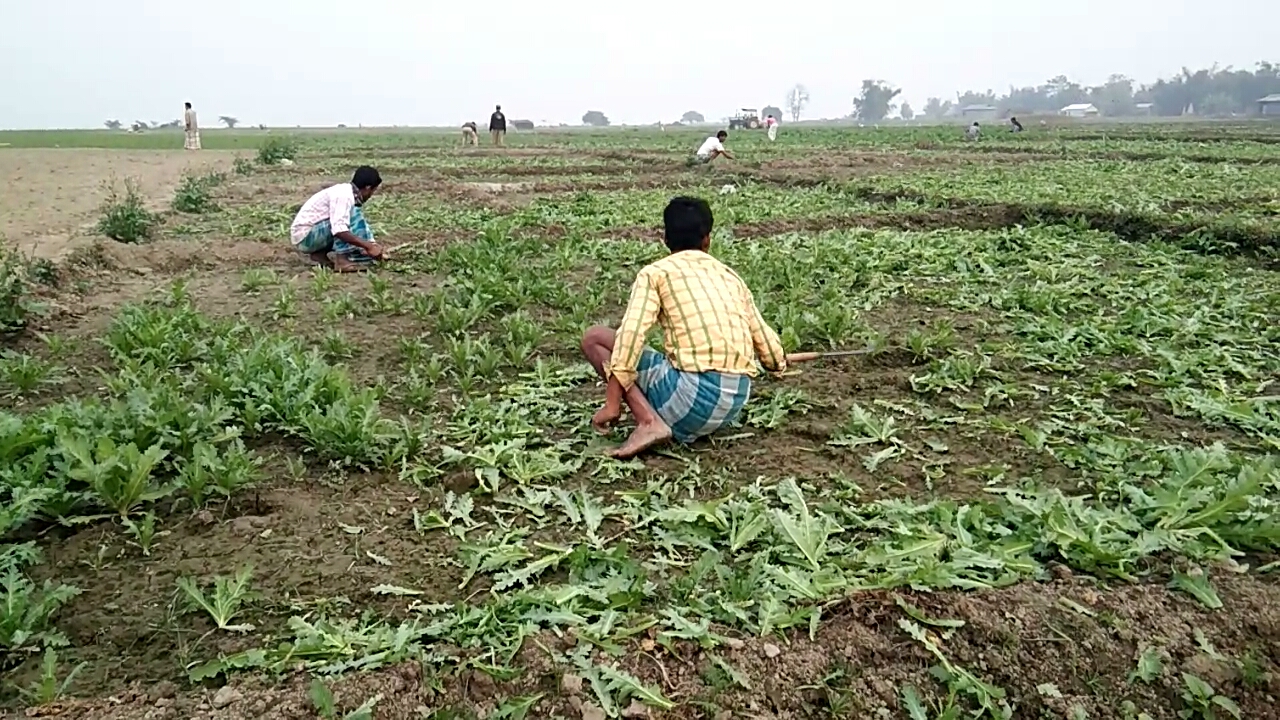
(807, 356)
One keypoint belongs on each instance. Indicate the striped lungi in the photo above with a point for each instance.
(319, 238)
(692, 404)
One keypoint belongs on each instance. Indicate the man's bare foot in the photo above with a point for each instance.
(642, 438)
(321, 258)
(604, 419)
(343, 265)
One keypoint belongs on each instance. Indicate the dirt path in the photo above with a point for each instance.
(51, 196)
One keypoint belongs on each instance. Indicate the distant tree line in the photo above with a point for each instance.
(1211, 91)
(140, 125)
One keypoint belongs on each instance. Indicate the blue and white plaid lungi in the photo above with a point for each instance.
(692, 404)
(320, 239)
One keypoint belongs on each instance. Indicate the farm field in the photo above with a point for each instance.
(235, 486)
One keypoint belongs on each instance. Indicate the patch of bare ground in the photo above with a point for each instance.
(50, 208)
(1050, 647)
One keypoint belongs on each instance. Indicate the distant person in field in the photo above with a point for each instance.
(772, 124)
(1015, 126)
(470, 134)
(713, 147)
(497, 127)
(193, 130)
(712, 333)
(973, 132)
(332, 222)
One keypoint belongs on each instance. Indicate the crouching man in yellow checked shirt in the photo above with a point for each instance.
(712, 333)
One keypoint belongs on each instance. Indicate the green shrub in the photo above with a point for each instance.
(192, 195)
(125, 218)
(276, 149)
(16, 304)
(243, 166)
(27, 609)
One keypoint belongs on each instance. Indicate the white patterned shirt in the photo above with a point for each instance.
(333, 204)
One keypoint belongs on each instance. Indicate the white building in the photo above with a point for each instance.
(1079, 110)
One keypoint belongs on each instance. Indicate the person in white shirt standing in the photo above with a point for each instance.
(332, 221)
(713, 147)
(193, 130)
(772, 124)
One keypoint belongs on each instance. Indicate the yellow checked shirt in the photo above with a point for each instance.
(709, 320)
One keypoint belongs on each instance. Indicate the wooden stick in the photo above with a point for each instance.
(807, 356)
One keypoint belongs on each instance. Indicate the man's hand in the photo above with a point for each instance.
(606, 416)
(374, 251)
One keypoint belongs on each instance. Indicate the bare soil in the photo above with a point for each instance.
(49, 207)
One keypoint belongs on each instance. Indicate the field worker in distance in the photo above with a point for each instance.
(973, 132)
(332, 221)
(713, 147)
(470, 134)
(712, 333)
(772, 123)
(497, 126)
(1015, 126)
(193, 130)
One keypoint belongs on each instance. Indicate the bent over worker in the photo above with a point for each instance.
(332, 221)
(712, 333)
(469, 133)
(712, 148)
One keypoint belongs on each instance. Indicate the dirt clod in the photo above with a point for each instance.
(225, 696)
(249, 524)
(591, 712)
(1217, 673)
(636, 709)
(571, 683)
(771, 651)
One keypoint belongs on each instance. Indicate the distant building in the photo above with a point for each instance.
(1079, 110)
(1269, 105)
(979, 112)
(522, 124)
(1145, 109)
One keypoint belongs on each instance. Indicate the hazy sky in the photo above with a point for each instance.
(75, 63)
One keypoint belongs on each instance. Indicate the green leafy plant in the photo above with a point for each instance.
(276, 149)
(225, 600)
(323, 701)
(1203, 702)
(120, 476)
(125, 218)
(222, 470)
(22, 374)
(16, 302)
(144, 532)
(255, 279)
(48, 688)
(193, 196)
(27, 610)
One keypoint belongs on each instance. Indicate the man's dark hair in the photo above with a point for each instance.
(687, 222)
(188, 105)
(722, 135)
(366, 177)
